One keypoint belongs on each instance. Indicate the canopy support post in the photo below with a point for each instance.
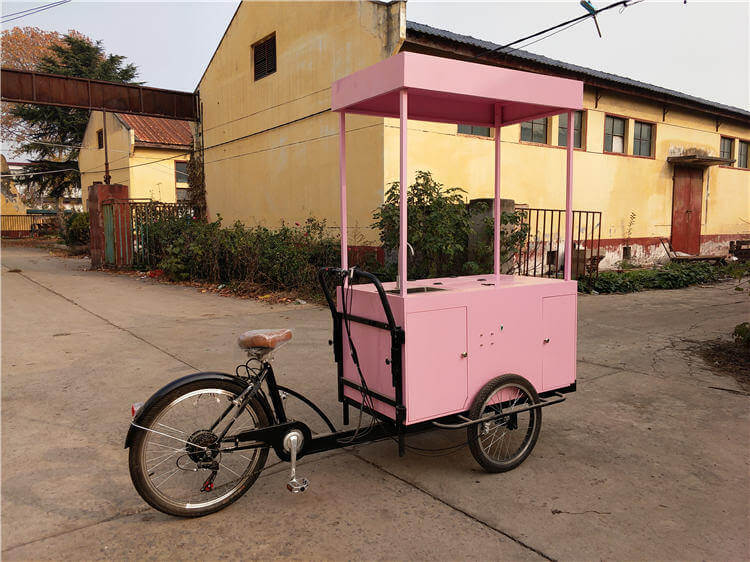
(402, 203)
(342, 186)
(569, 198)
(497, 204)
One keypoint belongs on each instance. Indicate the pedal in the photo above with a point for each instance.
(292, 444)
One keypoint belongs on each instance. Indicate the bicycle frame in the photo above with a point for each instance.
(273, 435)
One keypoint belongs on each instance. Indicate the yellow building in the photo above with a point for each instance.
(148, 154)
(10, 201)
(679, 163)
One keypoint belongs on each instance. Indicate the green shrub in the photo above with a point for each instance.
(438, 226)
(283, 258)
(671, 276)
(76, 229)
(742, 334)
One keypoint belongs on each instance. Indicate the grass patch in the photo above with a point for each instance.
(670, 276)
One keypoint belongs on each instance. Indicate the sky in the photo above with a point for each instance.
(700, 48)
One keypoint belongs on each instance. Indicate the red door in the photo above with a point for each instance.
(687, 196)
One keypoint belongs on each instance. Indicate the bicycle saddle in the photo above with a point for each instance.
(264, 339)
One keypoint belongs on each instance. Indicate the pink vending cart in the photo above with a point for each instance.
(459, 333)
(484, 353)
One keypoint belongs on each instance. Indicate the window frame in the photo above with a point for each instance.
(100, 139)
(254, 49)
(581, 134)
(532, 141)
(177, 184)
(731, 149)
(652, 139)
(624, 134)
(472, 133)
(747, 154)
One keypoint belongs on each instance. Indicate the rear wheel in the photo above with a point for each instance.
(179, 467)
(503, 443)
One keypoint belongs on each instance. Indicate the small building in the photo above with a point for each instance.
(147, 154)
(10, 202)
(676, 163)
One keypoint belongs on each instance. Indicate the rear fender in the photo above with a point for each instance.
(189, 379)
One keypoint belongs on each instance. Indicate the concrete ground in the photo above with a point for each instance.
(648, 460)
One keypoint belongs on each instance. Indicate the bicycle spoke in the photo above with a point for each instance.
(185, 427)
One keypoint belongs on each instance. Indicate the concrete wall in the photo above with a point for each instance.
(292, 172)
(153, 177)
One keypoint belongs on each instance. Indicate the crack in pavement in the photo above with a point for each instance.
(455, 508)
(103, 319)
(81, 528)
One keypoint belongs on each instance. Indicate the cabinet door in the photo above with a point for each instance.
(436, 363)
(558, 341)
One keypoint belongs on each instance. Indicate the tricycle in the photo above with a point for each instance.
(481, 353)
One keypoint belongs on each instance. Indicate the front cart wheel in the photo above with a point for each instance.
(503, 443)
(179, 466)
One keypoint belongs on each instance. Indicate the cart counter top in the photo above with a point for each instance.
(471, 283)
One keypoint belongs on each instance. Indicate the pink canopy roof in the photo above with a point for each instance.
(453, 91)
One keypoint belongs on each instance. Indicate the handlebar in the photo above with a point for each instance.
(355, 273)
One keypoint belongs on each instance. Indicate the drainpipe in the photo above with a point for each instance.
(708, 194)
(107, 177)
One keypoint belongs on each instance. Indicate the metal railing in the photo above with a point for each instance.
(21, 226)
(542, 255)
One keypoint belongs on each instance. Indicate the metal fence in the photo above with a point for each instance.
(543, 252)
(130, 229)
(22, 226)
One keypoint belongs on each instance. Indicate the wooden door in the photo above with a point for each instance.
(687, 195)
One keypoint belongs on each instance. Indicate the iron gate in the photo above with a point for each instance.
(130, 235)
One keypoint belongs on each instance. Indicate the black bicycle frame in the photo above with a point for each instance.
(273, 435)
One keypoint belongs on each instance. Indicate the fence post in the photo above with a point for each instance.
(98, 193)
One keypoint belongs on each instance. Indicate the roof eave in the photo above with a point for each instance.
(143, 144)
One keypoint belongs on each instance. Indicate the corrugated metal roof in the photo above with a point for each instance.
(156, 130)
(621, 81)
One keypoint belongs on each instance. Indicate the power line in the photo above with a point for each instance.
(32, 11)
(543, 38)
(623, 3)
(40, 173)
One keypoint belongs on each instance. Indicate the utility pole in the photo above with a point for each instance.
(107, 177)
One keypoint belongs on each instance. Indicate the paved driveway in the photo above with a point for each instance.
(648, 460)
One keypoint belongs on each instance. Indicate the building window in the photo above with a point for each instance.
(562, 129)
(181, 181)
(742, 154)
(472, 130)
(100, 138)
(264, 57)
(726, 149)
(642, 136)
(534, 131)
(614, 134)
